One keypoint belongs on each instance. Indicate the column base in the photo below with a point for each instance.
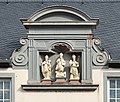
(86, 81)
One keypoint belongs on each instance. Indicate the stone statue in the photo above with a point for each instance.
(46, 68)
(73, 68)
(60, 66)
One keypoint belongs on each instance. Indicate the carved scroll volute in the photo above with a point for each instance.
(100, 56)
(19, 57)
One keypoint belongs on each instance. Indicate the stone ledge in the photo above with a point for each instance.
(89, 87)
(4, 64)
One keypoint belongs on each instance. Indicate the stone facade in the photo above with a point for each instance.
(52, 31)
(60, 29)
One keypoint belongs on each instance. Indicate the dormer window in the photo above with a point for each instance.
(59, 48)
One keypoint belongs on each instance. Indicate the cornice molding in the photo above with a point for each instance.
(89, 87)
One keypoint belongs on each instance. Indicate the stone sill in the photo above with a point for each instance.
(85, 87)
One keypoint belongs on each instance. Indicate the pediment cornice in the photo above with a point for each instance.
(60, 15)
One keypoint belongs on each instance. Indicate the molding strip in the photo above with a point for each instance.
(88, 87)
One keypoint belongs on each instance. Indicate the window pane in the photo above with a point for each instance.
(1, 85)
(7, 101)
(112, 100)
(1, 95)
(118, 100)
(112, 83)
(5, 90)
(112, 93)
(7, 85)
(7, 95)
(118, 83)
(118, 93)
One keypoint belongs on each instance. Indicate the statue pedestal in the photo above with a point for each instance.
(74, 82)
(45, 81)
(60, 82)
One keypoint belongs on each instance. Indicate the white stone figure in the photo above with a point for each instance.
(46, 68)
(73, 68)
(60, 66)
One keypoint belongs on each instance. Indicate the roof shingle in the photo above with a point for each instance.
(11, 29)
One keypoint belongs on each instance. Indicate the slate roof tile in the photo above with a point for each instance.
(11, 29)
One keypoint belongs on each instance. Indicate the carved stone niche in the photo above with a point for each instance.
(58, 60)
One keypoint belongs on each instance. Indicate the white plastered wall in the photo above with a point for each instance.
(21, 76)
(30, 96)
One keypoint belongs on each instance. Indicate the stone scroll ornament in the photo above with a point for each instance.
(100, 56)
(19, 56)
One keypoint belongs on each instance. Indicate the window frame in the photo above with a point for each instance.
(106, 77)
(116, 88)
(11, 77)
(3, 89)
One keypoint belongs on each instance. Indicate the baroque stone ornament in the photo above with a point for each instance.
(46, 68)
(73, 68)
(19, 57)
(61, 47)
(60, 66)
(100, 56)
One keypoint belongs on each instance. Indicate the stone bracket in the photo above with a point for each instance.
(100, 55)
(19, 57)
